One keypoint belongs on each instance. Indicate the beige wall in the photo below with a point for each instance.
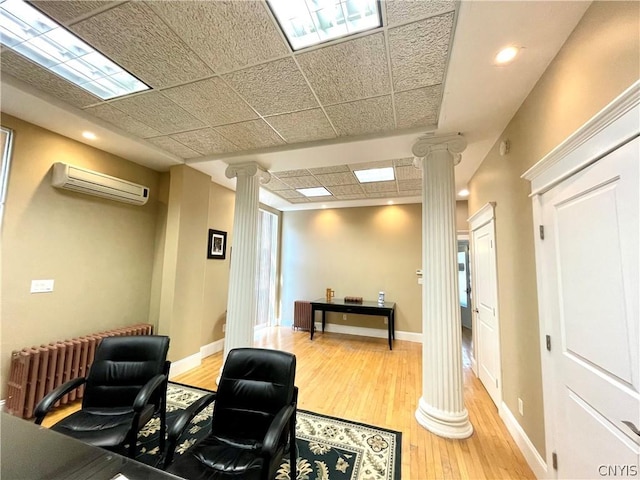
(599, 60)
(356, 252)
(98, 252)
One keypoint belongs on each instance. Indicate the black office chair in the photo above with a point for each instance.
(126, 385)
(253, 421)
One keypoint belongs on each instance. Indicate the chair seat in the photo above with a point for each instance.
(104, 428)
(217, 459)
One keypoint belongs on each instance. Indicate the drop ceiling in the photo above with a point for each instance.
(226, 88)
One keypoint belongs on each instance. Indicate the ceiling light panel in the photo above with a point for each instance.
(310, 22)
(35, 36)
(314, 192)
(375, 175)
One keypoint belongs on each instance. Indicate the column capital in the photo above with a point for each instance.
(248, 169)
(454, 144)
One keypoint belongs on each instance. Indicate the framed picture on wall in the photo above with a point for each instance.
(217, 247)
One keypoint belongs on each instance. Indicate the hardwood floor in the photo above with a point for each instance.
(358, 378)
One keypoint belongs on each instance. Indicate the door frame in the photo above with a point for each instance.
(609, 129)
(484, 216)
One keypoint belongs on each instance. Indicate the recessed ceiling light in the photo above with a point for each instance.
(314, 192)
(390, 202)
(324, 206)
(506, 55)
(32, 34)
(310, 22)
(89, 135)
(375, 175)
(463, 193)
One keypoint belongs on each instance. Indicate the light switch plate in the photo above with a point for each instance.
(41, 286)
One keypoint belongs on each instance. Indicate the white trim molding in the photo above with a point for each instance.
(482, 216)
(211, 348)
(531, 455)
(367, 332)
(613, 126)
(185, 364)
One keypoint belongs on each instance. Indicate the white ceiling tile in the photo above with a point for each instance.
(401, 11)
(158, 112)
(29, 72)
(403, 162)
(362, 117)
(374, 187)
(330, 179)
(357, 196)
(381, 194)
(291, 173)
(227, 35)
(273, 88)
(275, 184)
(334, 169)
(205, 141)
(410, 193)
(350, 70)
(170, 145)
(139, 41)
(250, 135)
(305, 126)
(418, 108)
(410, 185)
(299, 200)
(419, 52)
(212, 101)
(341, 190)
(408, 173)
(302, 182)
(65, 10)
(122, 120)
(290, 194)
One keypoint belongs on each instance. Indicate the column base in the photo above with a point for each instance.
(444, 424)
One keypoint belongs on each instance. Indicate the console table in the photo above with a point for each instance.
(388, 309)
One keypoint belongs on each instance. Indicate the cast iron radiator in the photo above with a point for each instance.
(36, 371)
(302, 315)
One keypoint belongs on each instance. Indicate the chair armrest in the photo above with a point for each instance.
(276, 429)
(145, 393)
(181, 421)
(52, 397)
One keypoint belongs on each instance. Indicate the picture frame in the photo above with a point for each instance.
(217, 245)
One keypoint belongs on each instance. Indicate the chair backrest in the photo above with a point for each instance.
(121, 367)
(255, 384)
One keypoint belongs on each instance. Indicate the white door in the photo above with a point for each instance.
(590, 283)
(485, 300)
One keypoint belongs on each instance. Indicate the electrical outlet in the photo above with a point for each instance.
(520, 406)
(344, 316)
(224, 327)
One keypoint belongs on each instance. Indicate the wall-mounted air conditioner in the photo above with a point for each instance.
(98, 184)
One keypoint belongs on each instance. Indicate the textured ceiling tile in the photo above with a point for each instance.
(304, 126)
(122, 120)
(410, 193)
(249, 135)
(417, 108)
(291, 173)
(410, 185)
(408, 173)
(346, 190)
(400, 11)
(345, 178)
(227, 35)
(66, 10)
(273, 88)
(29, 72)
(289, 194)
(368, 165)
(361, 117)
(275, 185)
(334, 169)
(374, 187)
(419, 52)
(349, 70)
(170, 145)
(205, 141)
(403, 162)
(303, 182)
(357, 196)
(212, 101)
(381, 194)
(158, 112)
(135, 38)
(298, 200)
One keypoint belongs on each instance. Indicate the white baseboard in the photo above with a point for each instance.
(185, 364)
(368, 332)
(2, 403)
(474, 366)
(211, 348)
(531, 455)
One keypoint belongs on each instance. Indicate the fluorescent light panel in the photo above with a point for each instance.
(375, 175)
(32, 34)
(310, 22)
(314, 192)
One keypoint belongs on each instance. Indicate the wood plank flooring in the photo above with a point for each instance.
(358, 378)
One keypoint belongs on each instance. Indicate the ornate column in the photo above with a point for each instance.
(441, 408)
(241, 303)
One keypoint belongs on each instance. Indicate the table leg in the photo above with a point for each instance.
(323, 319)
(313, 323)
(389, 324)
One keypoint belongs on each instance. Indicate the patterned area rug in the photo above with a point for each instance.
(328, 448)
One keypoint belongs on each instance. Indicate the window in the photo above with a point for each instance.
(267, 269)
(6, 137)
